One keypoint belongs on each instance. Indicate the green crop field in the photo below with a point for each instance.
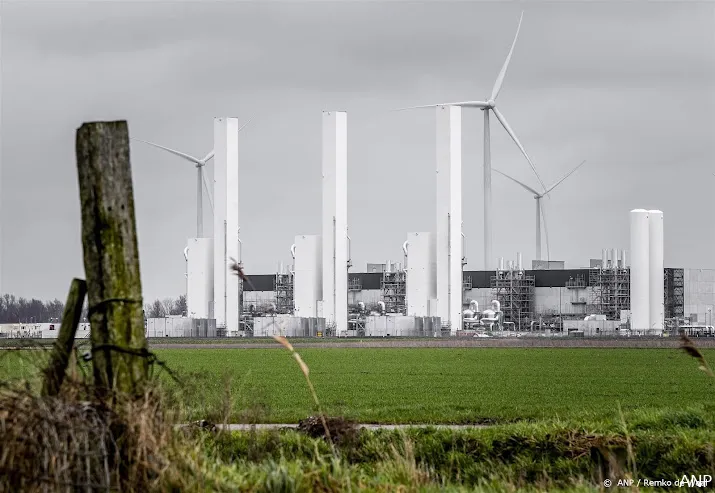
(435, 385)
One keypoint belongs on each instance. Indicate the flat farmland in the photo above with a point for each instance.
(427, 385)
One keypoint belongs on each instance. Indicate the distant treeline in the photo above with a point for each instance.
(21, 310)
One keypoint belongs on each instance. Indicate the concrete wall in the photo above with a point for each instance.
(402, 326)
(39, 331)
(180, 327)
(699, 294)
(287, 326)
(594, 328)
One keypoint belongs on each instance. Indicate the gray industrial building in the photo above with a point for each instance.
(545, 295)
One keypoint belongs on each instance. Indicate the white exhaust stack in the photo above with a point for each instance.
(640, 270)
(614, 258)
(604, 259)
(657, 291)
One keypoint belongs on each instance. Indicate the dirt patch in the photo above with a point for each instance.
(342, 431)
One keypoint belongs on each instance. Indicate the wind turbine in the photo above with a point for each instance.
(540, 214)
(486, 106)
(200, 181)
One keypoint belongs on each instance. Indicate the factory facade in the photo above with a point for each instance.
(530, 299)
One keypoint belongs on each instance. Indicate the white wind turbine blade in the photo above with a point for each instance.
(500, 78)
(466, 104)
(511, 133)
(527, 187)
(208, 157)
(173, 151)
(546, 232)
(245, 124)
(208, 192)
(566, 176)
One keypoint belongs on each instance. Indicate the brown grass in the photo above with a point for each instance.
(74, 441)
(687, 345)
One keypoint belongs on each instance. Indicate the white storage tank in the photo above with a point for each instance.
(308, 276)
(200, 273)
(640, 269)
(420, 278)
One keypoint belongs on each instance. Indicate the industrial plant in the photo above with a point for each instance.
(428, 293)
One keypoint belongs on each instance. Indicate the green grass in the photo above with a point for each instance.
(450, 385)
(569, 417)
(534, 456)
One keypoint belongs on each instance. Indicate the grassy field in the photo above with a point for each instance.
(441, 385)
(562, 419)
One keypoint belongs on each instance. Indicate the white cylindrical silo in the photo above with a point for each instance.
(614, 258)
(518, 261)
(604, 259)
(623, 259)
(657, 290)
(640, 269)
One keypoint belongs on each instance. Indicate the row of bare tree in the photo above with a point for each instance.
(21, 310)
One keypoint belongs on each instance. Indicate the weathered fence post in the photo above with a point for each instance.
(111, 257)
(55, 371)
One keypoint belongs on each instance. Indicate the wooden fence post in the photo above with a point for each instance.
(55, 371)
(111, 258)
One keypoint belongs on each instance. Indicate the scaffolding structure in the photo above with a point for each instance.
(283, 287)
(611, 291)
(393, 288)
(674, 293)
(354, 284)
(515, 292)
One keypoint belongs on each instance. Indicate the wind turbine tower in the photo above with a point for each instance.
(540, 214)
(487, 106)
(200, 182)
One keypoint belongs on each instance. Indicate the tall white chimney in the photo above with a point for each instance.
(657, 290)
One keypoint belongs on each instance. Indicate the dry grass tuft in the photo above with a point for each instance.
(238, 270)
(687, 345)
(76, 442)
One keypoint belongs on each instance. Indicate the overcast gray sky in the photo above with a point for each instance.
(629, 86)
